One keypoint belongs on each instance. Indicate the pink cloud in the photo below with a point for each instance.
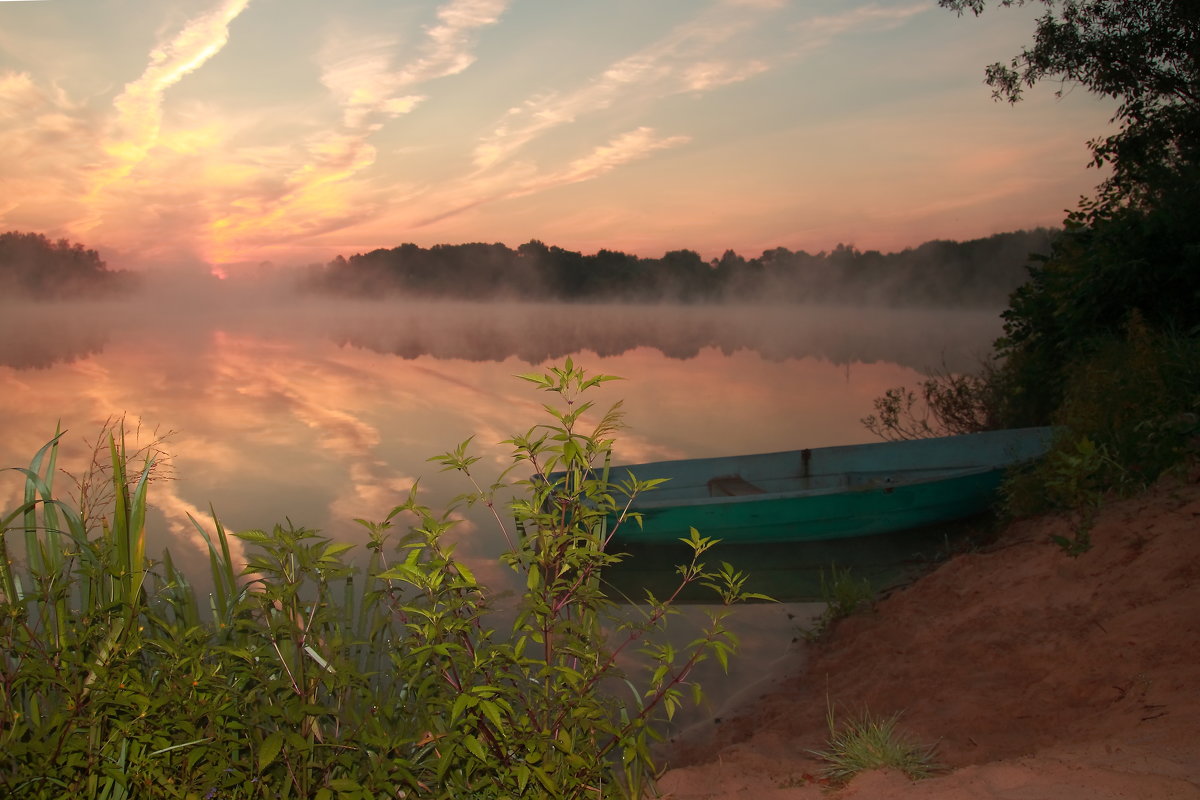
(139, 106)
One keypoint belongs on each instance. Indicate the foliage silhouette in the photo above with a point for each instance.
(34, 267)
(979, 273)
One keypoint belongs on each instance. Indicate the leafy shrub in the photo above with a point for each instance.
(1129, 413)
(1074, 476)
(306, 677)
(1112, 271)
(1138, 396)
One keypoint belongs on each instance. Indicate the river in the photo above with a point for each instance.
(321, 412)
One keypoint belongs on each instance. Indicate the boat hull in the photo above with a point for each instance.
(861, 512)
(827, 493)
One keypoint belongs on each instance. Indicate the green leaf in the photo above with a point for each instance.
(269, 749)
(492, 712)
(335, 550)
(545, 780)
(475, 747)
(162, 750)
(461, 704)
(533, 377)
(466, 573)
(722, 654)
(522, 772)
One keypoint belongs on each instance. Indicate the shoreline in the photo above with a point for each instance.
(1035, 674)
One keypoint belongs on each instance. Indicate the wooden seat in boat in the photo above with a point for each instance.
(732, 486)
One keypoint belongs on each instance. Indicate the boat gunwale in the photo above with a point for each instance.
(1034, 432)
(640, 504)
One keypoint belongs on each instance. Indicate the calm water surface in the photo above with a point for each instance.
(321, 413)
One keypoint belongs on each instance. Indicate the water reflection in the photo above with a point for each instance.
(40, 336)
(320, 416)
(320, 413)
(533, 333)
(538, 333)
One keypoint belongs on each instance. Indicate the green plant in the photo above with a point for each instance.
(545, 718)
(71, 631)
(843, 595)
(1074, 479)
(1137, 395)
(867, 742)
(1128, 415)
(92, 491)
(306, 676)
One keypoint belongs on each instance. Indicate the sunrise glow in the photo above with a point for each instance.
(236, 132)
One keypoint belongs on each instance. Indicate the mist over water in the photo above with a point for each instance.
(282, 405)
(186, 311)
(535, 333)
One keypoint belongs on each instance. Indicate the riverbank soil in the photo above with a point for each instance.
(1035, 674)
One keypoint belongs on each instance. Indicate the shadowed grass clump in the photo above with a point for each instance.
(843, 595)
(865, 742)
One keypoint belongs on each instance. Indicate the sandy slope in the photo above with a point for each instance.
(1037, 675)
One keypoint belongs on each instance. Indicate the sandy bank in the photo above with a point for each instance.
(1037, 675)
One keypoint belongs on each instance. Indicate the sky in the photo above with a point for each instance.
(224, 134)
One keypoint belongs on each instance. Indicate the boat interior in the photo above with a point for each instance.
(738, 486)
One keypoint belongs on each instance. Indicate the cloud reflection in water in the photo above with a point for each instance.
(323, 413)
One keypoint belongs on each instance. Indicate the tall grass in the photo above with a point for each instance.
(301, 676)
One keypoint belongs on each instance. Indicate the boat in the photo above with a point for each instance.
(826, 493)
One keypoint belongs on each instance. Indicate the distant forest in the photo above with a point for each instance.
(977, 273)
(32, 266)
(980, 272)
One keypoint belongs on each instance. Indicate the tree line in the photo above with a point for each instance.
(32, 266)
(981, 272)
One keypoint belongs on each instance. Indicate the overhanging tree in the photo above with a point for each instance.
(1145, 54)
(1134, 249)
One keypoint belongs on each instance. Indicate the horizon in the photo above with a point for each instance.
(250, 274)
(225, 134)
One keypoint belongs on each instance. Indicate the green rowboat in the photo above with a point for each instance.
(825, 493)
